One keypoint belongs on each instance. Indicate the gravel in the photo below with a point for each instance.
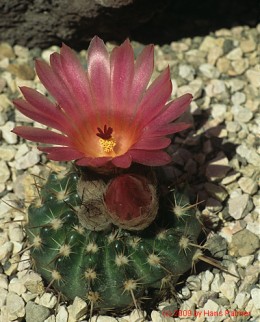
(219, 157)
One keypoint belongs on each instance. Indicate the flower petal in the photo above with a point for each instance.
(61, 153)
(143, 71)
(99, 78)
(169, 129)
(55, 86)
(122, 73)
(172, 111)
(41, 135)
(93, 162)
(154, 99)
(123, 161)
(152, 143)
(151, 158)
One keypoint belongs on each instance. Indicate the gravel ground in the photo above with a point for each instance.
(219, 157)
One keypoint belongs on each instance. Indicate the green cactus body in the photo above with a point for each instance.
(114, 267)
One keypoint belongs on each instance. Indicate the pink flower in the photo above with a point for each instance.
(106, 116)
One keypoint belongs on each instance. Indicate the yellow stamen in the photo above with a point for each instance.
(107, 145)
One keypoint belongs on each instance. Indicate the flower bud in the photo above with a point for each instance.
(131, 201)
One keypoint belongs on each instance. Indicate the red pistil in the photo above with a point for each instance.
(106, 133)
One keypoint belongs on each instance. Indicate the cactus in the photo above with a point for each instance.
(112, 267)
(107, 231)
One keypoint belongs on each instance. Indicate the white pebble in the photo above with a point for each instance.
(255, 293)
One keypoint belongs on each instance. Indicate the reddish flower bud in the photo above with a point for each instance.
(131, 201)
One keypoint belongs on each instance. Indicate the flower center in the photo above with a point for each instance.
(106, 141)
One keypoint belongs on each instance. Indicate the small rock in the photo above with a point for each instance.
(216, 191)
(242, 114)
(244, 243)
(3, 282)
(4, 172)
(217, 246)
(235, 54)
(233, 127)
(255, 294)
(248, 185)
(245, 261)
(22, 71)
(78, 309)
(249, 154)
(235, 84)
(16, 286)
(217, 282)
(216, 87)
(15, 306)
(21, 51)
(50, 319)
(36, 313)
(3, 297)
(62, 315)
(15, 232)
(187, 72)
(238, 98)
(248, 45)
(103, 318)
(6, 51)
(7, 152)
(239, 206)
(212, 307)
(209, 71)
(217, 168)
(231, 177)
(206, 280)
(218, 111)
(213, 205)
(193, 283)
(238, 67)
(47, 300)
(242, 299)
(6, 251)
(28, 160)
(229, 290)
(253, 76)
(8, 136)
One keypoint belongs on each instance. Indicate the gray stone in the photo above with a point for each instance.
(36, 313)
(249, 154)
(193, 283)
(242, 114)
(217, 246)
(242, 299)
(238, 98)
(235, 54)
(213, 205)
(218, 167)
(8, 136)
(248, 185)
(239, 206)
(15, 306)
(229, 290)
(244, 243)
(78, 309)
(216, 191)
(253, 75)
(62, 314)
(187, 72)
(28, 160)
(209, 71)
(218, 111)
(233, 127)
(4, 172)
(255, 294)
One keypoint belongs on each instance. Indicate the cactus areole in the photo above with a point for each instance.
(107, 229)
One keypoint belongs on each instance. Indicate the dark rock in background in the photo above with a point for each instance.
(43, 23)
(46, 22)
